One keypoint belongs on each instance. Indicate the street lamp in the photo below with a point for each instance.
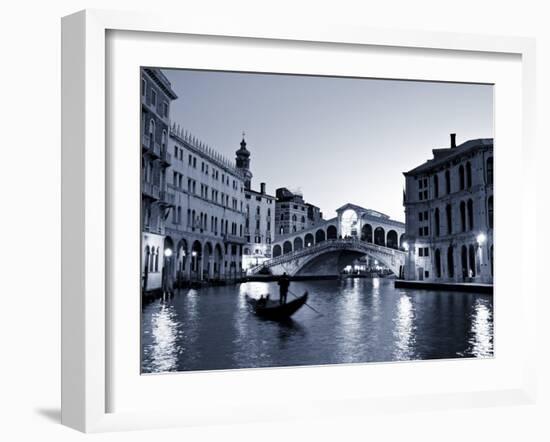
(405, 246)
(481, 238)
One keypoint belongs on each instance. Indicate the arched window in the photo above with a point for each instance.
(461, 176)
(447, 182)
(470, 214)
(450, 262)
(490, 170)
(463, 216)
(490, 211)
(163, 141)
(437, 263)
(294, 219)
(472, 255)
(257, 210)
(151, 133)
(303, 219)
(449, 215)
(157, 260)
(282, 216)
(147, 258)
(436, 186)
(152, 260)
(491, 259)
(437, 222)
(468, 175)
(269, 212)
(464, 261)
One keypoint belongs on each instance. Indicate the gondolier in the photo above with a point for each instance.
(284, 283)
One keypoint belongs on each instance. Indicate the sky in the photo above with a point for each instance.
(337, 140)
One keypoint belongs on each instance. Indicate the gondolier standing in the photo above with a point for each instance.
(284, 283)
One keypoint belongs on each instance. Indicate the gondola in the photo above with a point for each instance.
(270, 309)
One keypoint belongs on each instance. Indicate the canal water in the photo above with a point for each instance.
(363, 320)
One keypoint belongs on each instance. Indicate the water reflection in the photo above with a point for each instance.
(363, 320)
(481, 341)
(164, 351)
(404, 329)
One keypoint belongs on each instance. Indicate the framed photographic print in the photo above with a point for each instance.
(266, 210)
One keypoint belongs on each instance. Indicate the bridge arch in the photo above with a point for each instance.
(332, 232)
(298, 243)
(277, 251)
(320, 236)
(287, 247)
(379, 236)
(309, 240)
(391, 239)
(366, 233)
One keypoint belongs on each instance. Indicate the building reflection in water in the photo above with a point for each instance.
(481, 340)
(164, 328)
(404, 329)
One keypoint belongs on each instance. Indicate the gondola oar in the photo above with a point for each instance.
(306, 304)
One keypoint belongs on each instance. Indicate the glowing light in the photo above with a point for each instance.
(406, 246)
(481, 238)
(194, 253)
(168, 253)
(309, 244)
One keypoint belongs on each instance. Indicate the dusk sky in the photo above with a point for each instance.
(337, 140)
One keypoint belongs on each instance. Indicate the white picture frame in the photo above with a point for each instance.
(86, 316)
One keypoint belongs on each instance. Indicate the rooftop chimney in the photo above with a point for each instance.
(262, 188)
(453, 141)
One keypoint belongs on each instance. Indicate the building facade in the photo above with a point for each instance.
(259, 226)
(192, 213)
(156, 200)
(205, 229)
(449, 215)
(293, 214)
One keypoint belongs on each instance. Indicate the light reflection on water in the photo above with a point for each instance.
(363, 320)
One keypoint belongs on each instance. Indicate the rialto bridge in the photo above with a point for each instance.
(330, 246)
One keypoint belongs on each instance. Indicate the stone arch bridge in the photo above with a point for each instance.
(328, 247)
(330, 257)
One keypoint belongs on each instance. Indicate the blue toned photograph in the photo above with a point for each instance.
(296, 220)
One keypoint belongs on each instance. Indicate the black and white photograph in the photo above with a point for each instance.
(302, 220)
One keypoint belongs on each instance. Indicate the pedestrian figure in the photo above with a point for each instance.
(284, 283)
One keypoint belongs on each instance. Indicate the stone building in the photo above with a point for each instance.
(205, 229)
(449, 215)
(293, 214)
(259, 226)
(192, 212)
(156, 200)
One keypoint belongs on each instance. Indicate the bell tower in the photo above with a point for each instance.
(243, 163)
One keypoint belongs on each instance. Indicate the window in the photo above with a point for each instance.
(153, 98)
(447, 182)
(437, 263)
(165, 109)
(490, 170)
(436, 221)
(470, 214)
(190, 160)
(449, 214)
(463, 216)
(461, 176)
(420, 251)
(143, 86)
(468, 175)
(436, 186)
(490, 211)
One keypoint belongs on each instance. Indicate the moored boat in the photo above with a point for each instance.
(270, 309)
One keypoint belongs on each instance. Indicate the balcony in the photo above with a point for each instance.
(167, 198)
(150, 190)
(150, 147)
(165, 157)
